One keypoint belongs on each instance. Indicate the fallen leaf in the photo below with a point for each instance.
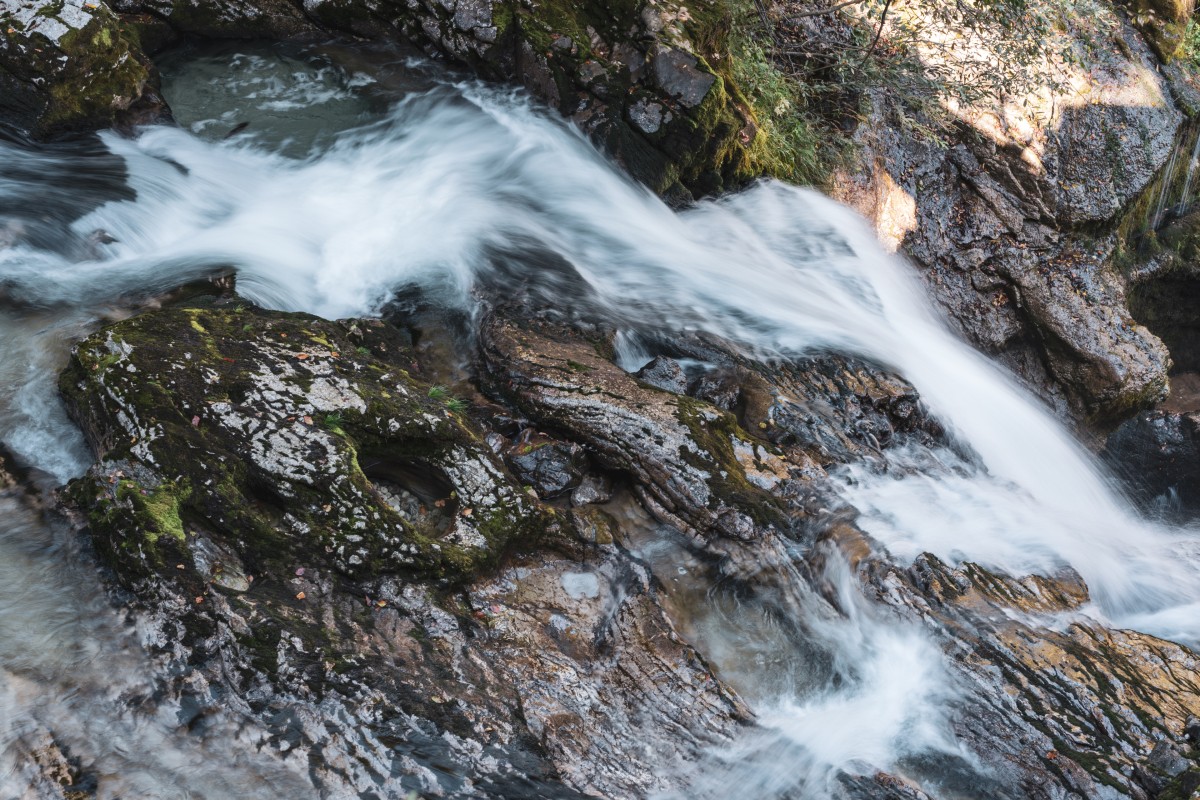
(307, 420)
(199, 600)
(301, 356)
(381, 603)
(300, 595)
(466, 512)
(179, 566)
(440, 503)
(196, 420)
(299, 571)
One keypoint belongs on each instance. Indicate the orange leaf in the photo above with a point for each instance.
(300, 595)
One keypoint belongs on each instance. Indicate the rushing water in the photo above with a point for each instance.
(333, 197)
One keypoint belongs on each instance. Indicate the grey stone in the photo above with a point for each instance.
(676, 72)
(664, 373)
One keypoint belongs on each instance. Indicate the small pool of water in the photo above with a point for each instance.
(287, 97)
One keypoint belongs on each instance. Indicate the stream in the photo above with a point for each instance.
(329, 178)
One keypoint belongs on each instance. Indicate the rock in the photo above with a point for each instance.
(317, 424)
(551, 467)
(491, 660)
(664, 373)
(677, 74)
(594, 488)
(674, 126)
(229, 19)
(1017, 225)
(1157, 453)
(72, 65)
(680, 452)
(1163, 293)
(248, 457)
(1164, 23)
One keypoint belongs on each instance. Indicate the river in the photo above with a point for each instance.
(357, 174)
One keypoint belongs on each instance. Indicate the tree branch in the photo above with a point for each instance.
(882, 22)
(823, 11)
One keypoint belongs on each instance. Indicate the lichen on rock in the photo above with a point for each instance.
(71, 65)
(280, 435)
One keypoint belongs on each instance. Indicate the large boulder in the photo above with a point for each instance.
(1017, 224)
(281, 437)
(71, 65)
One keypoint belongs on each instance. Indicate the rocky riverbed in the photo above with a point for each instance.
(549, 525)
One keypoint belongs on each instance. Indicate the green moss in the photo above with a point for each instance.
(713, 431)
(100, 76)
(161, 508)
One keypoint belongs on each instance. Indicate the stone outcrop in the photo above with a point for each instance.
(542, 652)
(1016, 225)
(645, 80)
(70, 66)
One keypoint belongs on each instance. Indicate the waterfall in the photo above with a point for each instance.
(462, 184)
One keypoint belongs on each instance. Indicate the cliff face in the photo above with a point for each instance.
(1020, 226)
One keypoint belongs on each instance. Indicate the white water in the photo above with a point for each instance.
(464, 185)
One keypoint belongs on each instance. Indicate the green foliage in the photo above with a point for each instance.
(1190, 52)
(456, 405)
(332, 421)
(789, 144)
(438, 393)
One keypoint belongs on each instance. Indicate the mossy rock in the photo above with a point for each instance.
(70, 65)
(247, 439)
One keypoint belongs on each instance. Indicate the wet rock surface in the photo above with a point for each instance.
(544, 655)
(1158, 455)
(636, 77)
(309, 533)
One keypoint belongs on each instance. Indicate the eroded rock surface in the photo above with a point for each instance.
(309, 528)
(545, 653)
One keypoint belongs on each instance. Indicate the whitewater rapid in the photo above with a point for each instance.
(460, 186)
